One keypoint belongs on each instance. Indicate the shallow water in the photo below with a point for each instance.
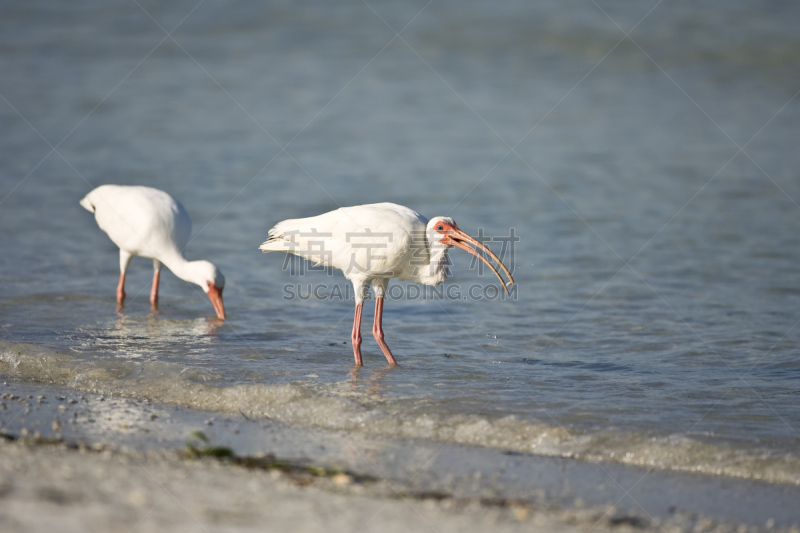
(655, 313)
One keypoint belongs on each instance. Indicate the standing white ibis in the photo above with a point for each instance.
(372, 244)
(150, 223)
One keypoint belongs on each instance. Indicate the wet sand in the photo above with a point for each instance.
(77, 461)
(50, 488)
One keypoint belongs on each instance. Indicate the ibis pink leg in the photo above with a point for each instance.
(154, 290)
(121, 290)
(124, 261)
(356, 336)
(377, 331)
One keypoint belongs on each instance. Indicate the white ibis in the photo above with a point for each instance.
(372, 244)
(150, 223)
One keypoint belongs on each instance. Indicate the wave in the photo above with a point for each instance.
(335, 406)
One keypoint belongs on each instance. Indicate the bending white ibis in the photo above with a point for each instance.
(372, 244)
(150, 223)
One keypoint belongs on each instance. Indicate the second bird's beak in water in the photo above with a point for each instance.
(215, 295)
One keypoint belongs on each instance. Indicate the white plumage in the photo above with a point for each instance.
(150, 223)
(366, 242)
(372, 244)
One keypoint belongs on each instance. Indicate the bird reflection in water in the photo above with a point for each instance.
(153, 308)
(372, 382)
(159, 328)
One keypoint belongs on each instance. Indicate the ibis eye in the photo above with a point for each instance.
(440, 227)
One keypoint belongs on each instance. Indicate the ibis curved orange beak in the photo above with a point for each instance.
(215, 295)
(459, 239)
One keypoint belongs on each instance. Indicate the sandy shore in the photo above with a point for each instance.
(55, 488)
(75, 461)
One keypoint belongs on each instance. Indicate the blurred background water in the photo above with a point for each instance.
(645, 154)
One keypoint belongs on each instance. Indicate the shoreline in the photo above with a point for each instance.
(347, 411)
(515, 487)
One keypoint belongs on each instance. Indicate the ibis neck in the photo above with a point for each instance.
(436, 271)
(182, 268)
